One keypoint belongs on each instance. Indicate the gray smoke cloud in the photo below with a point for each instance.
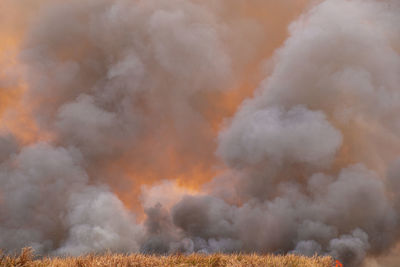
(308, 152)
(56, 207)
(310, 161)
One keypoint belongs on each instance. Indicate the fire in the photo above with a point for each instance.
(161, 155)
(246, 112)
(15, 114)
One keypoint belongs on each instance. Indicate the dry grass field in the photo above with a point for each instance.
(26, 259)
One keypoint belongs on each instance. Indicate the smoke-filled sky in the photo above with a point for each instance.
(164, 126)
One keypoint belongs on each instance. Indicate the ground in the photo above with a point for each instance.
(26, 258)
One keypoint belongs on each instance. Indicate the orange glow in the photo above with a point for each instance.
(15, 116)
(167, 157)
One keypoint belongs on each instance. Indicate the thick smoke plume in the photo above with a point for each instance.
(200, 126)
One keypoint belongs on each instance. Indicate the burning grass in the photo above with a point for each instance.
(26, 258)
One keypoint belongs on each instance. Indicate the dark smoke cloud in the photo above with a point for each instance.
(311, 160)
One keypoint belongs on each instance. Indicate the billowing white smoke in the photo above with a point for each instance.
(310, 159)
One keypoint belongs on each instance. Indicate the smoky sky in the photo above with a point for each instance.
(214, 126)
